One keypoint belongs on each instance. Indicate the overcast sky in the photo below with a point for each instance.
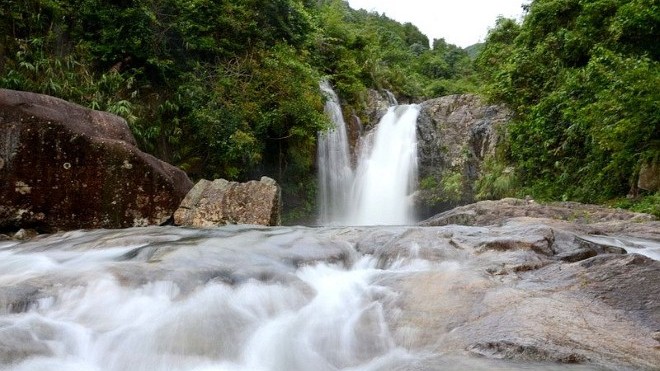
(459, 22)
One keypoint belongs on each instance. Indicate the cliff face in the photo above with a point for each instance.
(455, 134)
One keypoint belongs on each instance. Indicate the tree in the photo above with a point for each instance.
(580, 77)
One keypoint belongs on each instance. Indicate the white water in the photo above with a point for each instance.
(387, 171)
(378, 191)
(391, 99)
(334, 166)
(236, 298)
(231, 299)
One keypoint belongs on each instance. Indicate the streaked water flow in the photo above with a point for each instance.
(378, 191)
(236, 298)
(334, 166)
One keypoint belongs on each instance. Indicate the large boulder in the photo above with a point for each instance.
(63, 166)
(220, 202)
(455, 134)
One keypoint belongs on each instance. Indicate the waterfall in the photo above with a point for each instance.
(334, 166)
(377, 192)
(387, 170)
(391, 99)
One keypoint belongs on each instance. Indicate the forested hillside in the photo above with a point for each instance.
(584, 82)
(221, 88)
(229, 88)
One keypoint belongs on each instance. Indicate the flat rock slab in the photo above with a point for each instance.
(500, 211)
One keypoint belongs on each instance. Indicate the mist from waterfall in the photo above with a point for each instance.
(378, 191)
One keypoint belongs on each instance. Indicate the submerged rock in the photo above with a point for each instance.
(63, 166)
(221, 202)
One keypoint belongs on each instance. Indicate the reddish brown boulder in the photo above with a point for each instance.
(63, 166)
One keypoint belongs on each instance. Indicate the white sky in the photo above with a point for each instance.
(459, 22)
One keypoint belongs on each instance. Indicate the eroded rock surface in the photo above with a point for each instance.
(64, 167)
(221, 202)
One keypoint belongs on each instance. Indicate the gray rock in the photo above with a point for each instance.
(455, 134)
(221, 202)
(602, 310)
(599, 248)
(25, 234)
(377, 104)
(577, 255)
(497, 212)
(649, 176)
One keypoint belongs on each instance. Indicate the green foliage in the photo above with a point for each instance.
(498, 181)
(222, 88)
(649, 204)
(452, 185)
(581, 77)
(359, 49)
(445, 188)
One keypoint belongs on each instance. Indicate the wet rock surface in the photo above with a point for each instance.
(66, 167)
(533, 293)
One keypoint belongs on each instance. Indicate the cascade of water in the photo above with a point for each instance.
(387, 170)
(231, 299)
(391, 99)
(242, 298)
(378, 192)
(334, 167)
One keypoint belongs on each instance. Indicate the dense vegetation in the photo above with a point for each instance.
(229, 88)
(221, 88)
(582, 78)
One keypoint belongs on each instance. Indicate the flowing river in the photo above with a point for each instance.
(237, 298)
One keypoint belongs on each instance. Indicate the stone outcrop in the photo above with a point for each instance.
(649, 176)
(455, 134)
(497, 212)
(63, 166)
(377, 104)
(221, 202)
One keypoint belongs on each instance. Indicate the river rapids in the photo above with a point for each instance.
(248, 298)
